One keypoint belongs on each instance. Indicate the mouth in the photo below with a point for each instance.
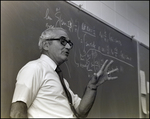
(67, 53)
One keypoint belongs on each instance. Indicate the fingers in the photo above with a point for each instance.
(102, 68)
(112, 71)
(112, 78)
(102, 75)
(109, 78)
(106, 68)
(104, 64)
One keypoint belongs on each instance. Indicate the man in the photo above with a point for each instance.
(40, 92)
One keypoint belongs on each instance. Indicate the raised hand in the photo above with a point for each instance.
(103, 74)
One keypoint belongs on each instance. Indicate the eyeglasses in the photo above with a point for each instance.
(63, 41)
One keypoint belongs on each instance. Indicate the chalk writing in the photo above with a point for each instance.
(61, 22)
(91, 52)
(86, 29)
(47, 17)
(107, 37)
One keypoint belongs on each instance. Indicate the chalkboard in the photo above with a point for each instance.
(94, 42)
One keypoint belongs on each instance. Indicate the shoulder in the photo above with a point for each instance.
(30, 72)
(32, 65)
(31, 68)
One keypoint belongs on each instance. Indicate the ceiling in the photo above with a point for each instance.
(141, 7)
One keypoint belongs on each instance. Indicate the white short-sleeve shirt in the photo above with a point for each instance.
(39, 86)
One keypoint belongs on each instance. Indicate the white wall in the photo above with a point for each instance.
(121, 16)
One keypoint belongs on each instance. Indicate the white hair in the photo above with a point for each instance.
(49, 33)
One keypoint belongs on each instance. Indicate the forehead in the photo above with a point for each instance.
(60, 33)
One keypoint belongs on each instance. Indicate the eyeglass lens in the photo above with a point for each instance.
(64, 42)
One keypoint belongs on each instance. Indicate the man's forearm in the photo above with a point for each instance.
(18, 110)
(87, 101)
(18, 115)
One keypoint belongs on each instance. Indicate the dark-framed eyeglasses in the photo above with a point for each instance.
(63, 41)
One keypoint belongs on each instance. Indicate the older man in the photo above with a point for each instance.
(40, 90)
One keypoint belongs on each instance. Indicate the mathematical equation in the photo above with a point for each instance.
(90, 55)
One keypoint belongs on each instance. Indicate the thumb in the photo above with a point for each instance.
(94, 77)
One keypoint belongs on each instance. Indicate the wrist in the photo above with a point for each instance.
(92, 86)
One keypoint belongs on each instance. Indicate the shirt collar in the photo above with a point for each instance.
(49, 61)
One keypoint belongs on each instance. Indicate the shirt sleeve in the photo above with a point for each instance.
(28, 84)
(75, 98)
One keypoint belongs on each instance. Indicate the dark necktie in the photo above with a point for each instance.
(59, 72)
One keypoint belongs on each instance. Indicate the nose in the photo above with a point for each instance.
(67, 46)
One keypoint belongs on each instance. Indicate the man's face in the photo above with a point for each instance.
(57, 51)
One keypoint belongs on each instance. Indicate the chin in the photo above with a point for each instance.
(64, 60)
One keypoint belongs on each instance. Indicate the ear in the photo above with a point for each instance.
(46, 45)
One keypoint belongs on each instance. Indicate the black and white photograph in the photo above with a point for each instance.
(74, 59)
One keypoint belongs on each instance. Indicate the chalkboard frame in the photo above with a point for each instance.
(140, 67)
